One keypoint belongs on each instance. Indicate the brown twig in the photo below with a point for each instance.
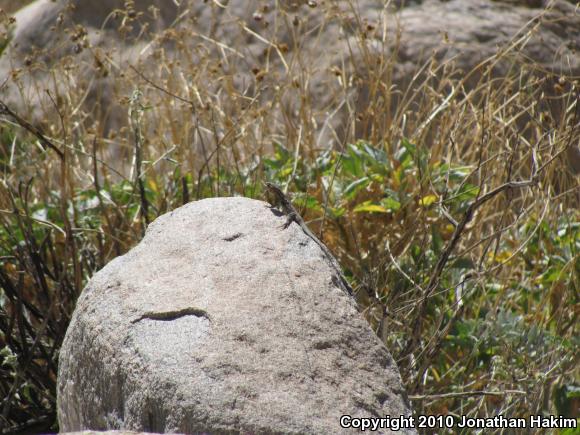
(467, 393)
(44, 141)
(162, 89)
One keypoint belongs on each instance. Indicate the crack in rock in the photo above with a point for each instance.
(173, 315)
(233, 237)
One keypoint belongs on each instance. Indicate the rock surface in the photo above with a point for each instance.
(473, 31)
(108, 432)
(73, 36)
(221, 321)
(37, 23)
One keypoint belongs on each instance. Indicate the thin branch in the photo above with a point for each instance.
(44, 141)
(162, 89)
(468, 393)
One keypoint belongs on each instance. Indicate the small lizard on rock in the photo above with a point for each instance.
(292, 214)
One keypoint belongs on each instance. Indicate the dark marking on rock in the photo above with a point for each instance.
(173, 315)
(233, 237)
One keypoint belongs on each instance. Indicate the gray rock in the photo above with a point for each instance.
(74, 35)
(221, 321)
(37, 23)
(473, 31)
(108, 432)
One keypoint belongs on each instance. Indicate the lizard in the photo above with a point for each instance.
(292, 215)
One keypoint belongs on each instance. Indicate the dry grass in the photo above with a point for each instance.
(471, 280)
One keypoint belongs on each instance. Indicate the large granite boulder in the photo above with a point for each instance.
(38, 23)
(471, 32)
(108, 432)
(222, 321)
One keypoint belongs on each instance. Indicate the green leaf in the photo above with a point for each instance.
(405, 154)
(370, 207)
(564, 398)
(336, 212)
(377, 160)
(285, 172)
(325, 161)
(436, 240)
(391, 204)
(427, 200)
(573, 391)
(282, 158)
(356, 186)
(377, 178)
(466, 192)
(307, 202)
(463, 263)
